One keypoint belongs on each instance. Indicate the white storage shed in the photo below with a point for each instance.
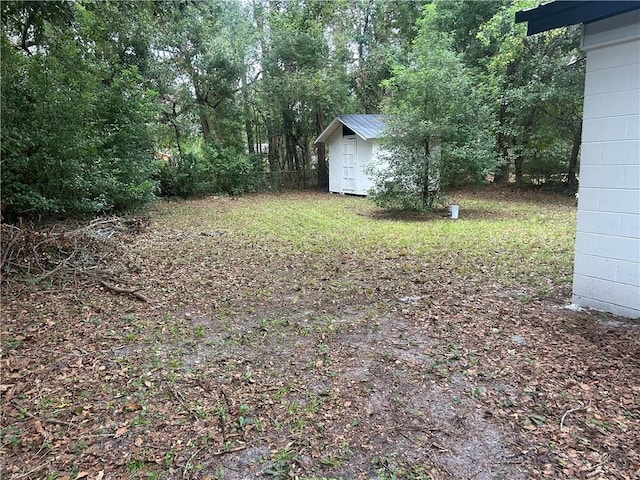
(353, 142)
(607, 251)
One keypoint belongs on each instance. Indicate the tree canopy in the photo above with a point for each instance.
(108, 104)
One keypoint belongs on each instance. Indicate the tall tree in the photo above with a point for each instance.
(202, 52)
(383, 34)
(75, 107)
(537, 86)
(436, 124)
(304, 80)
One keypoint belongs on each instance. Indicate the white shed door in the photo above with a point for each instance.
(349, 165)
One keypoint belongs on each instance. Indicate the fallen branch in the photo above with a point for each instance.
(219, 453)
(185, 470)
(178, 396)
(14, 236)
(128, 291)
(572, 410)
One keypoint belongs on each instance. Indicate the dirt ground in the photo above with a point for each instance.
(240, 360)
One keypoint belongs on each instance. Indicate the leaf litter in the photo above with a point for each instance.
(256, 357)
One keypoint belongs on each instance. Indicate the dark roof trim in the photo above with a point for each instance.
(564, 13)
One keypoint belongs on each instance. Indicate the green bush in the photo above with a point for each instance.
(75, 139)
(214, 170)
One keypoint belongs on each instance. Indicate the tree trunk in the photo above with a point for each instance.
(426, 180)
(172, 119)
(178, 138)
(274, 166)
(323, 167)
(501, 175)
(290, 153)
(504, 141)
(572, 179)
(519, 160)
(257, 139)
(247, 118)
(518, 163)
(250, 140)
(306, 162)
(206, 126)
(363, 32)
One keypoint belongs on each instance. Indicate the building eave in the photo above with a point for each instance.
(563, 13)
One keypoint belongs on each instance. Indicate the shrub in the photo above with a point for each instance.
(214, 170)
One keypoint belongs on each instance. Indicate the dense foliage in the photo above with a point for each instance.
(106, 104)
(76, 110)
(437, 124)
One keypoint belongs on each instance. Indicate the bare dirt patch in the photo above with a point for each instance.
(252, 361)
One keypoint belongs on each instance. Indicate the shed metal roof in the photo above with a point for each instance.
(366, 127)
(564, 13)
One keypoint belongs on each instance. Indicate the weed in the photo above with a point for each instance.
(141, 419)
(478, 392)
(282, 463)
(459, 418)
(80, 447)
(206, 440)
(247, 377)
(169, 458)
(602, 424)
(331, 461)
(292, 408)
(455, 352)
(244, 422)
(11, 436)
(200, 331)
(281, 392)
(389, 468)
(130, 337)
(298, 426)
(389, 356)
(175, 363)
(133, 465)
(11, 344)
(313, 405)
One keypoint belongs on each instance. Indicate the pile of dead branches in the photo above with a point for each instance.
(64, 254)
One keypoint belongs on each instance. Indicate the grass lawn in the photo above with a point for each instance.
(311, 336)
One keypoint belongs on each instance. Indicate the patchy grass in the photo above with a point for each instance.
(311, 336)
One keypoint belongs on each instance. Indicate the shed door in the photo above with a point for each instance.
(349, 165)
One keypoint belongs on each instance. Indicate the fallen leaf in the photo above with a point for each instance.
(132, 406)
(39, 428)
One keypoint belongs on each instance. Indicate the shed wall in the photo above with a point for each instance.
(364, 152)
(607, 255)
(364, 155)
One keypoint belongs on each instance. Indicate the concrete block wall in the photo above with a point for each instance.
(607, 256)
